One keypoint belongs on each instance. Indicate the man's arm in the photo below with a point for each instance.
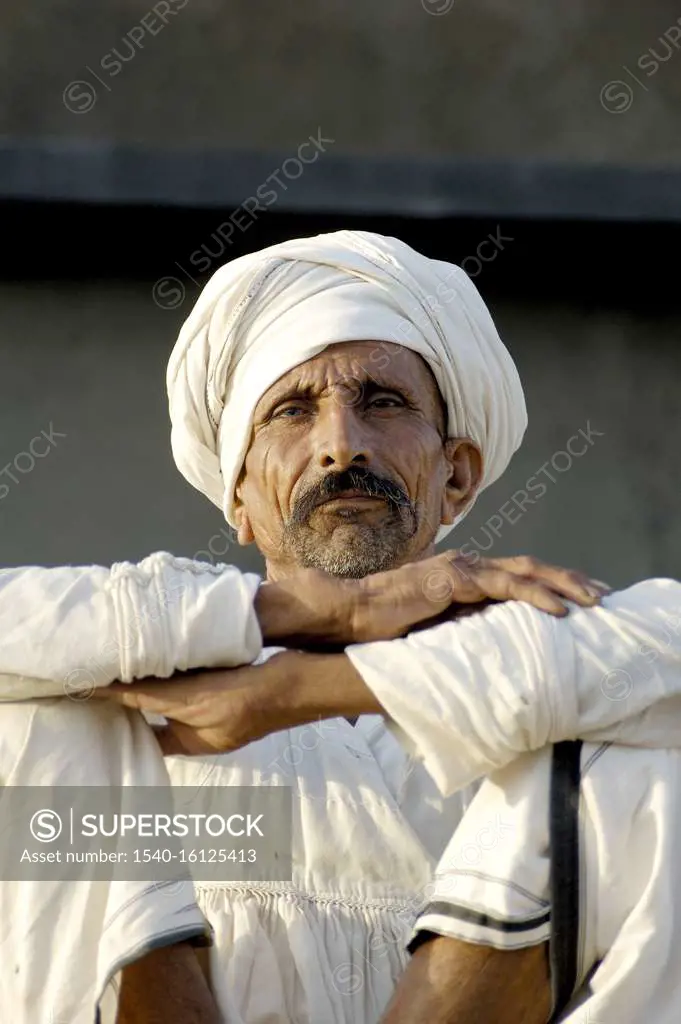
(71, 629)
(466, 697)
(452, 982)
(313, 608)
(74, 629)
(167, 986)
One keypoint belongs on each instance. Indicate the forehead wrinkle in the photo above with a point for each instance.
(339, 366)
(343, 361)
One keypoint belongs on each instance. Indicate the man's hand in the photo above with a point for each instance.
(391, 603)
(314, 609)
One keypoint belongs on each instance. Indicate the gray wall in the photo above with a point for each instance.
(489, 78)
(89, 358)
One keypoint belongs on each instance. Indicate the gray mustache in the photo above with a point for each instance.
(333, 484)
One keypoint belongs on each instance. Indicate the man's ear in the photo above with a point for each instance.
(464, 460)
(244, 531)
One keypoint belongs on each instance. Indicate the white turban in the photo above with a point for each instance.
(263, 314)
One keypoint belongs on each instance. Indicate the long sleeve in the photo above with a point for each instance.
(74, 628)
(468, 697)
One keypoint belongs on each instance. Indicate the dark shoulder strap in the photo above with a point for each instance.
(564, 873)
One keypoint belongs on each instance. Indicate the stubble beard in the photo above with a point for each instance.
(353, 549)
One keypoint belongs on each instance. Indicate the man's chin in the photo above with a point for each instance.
(354, 534)
(351, 550)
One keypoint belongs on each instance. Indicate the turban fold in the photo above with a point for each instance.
(264, 313)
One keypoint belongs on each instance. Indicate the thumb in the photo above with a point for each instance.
(169, 742)
(178, 738)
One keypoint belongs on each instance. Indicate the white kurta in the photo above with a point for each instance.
(465, 698)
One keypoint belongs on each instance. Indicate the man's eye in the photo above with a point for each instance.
(288, 411)
(385, 401)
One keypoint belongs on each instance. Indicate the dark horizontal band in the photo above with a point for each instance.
(108, 172)
(476, 917)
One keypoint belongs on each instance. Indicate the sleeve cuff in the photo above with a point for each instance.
(176, 614)
(458, 921)
(148, 917)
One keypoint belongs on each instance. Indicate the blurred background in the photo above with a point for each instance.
(539, 145)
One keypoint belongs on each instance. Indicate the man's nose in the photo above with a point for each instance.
(342, 438)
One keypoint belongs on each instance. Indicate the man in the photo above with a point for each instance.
(283, 417)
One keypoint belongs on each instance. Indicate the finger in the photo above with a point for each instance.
(570, 583)
(505, 586)
(131, 696)
(110, 692)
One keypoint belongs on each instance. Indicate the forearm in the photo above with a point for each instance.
(287, 619)
(297, 687)
(79, 628)
(453, 982)
(72, 628)
(167, 986)
(468, 697)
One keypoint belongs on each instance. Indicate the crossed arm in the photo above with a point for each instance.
(69, 630)
(466, 697)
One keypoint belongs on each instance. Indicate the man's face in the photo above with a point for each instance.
(348, 470)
